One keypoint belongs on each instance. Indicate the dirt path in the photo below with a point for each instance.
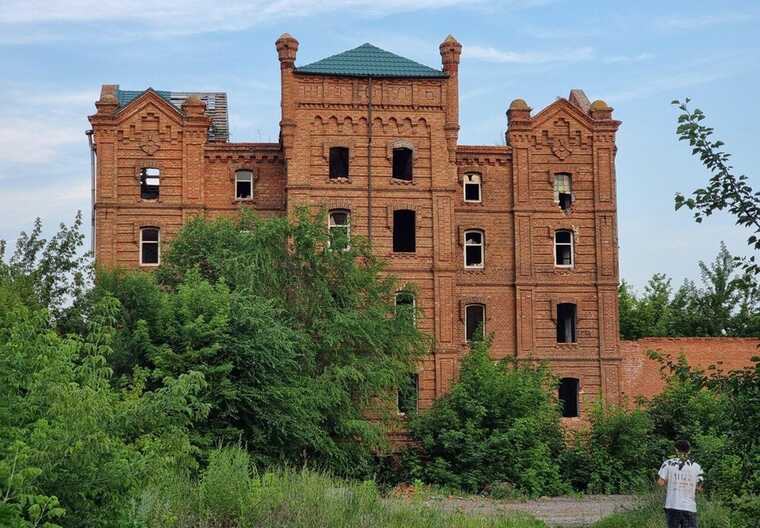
(554, 511)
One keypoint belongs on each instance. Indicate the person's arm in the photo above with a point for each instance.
(662, 475)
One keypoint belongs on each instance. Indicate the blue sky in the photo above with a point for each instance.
(638, 56)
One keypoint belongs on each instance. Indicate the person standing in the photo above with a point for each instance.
(683, 477)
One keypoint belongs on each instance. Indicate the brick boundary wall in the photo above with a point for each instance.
(641, 376)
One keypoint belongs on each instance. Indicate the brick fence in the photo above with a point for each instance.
(641, 376)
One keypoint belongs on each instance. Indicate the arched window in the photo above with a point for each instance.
(569, 389)
(566, 318)
(404, 231)
(563, 248)
(474, 256)
(338, 162)
(150, 183)
(150, 246)
(339, 224)
(243, 185)
(472, 189)
(406, 306)
(402, 163)
(474, 322)
(563, 191)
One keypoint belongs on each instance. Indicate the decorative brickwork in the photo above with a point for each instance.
(518, 283)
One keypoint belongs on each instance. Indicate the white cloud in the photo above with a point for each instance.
(35, 140)
(679, 22)
(191, 16)
(667, 84)
(489, 54)
(624, 59)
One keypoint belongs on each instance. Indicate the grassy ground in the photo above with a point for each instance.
(651, 515)
(290, 499)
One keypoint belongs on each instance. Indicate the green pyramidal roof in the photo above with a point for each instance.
(369, 61)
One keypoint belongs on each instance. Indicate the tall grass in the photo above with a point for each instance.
(230, 495)
(711, 514)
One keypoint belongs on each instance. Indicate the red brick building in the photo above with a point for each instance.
(521, 237)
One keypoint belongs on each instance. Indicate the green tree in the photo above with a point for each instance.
(724, 190)
(297, 339)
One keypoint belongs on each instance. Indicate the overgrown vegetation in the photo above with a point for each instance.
(498, 425)
(229, 493)
(116, 397)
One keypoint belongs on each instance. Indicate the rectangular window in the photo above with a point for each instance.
(563, 248)
(405, 306)
(150, 183)
(474, 322)
(566, 315)
(150, 252)
(404, 231)
(338, 162)
(406, 398)
(402, 164)
(243, 185)
(563, 191)
(473, 249)
(472, 188)
(568, 396)
(339, 225)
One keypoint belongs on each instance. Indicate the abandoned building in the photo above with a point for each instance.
(518, 239)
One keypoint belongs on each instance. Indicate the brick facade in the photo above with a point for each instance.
(519, 283)
(642, 376)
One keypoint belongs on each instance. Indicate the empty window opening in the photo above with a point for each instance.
(406, 397)
(563, 248)
(150, 252)
(339, 225)
(150, 183)
(406, 306)
(402, 164)
(404, 231)
(474, 322)
(472, 188)
(473, 249)
(338, 162)
(568, 397)
(566, 315)
(243, 185)
(563, 191)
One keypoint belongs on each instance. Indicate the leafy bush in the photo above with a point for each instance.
(499, 423)
(617, 454)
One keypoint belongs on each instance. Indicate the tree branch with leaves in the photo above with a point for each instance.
(725, 191)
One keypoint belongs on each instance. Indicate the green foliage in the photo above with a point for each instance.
(615, 455)
(649, 514)
(724, 189)
(499, 423)
(727, 303)
(295, 339)
(73, 449)
(230, 494)
(50, 274)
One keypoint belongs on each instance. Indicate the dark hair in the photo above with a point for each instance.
(683, 446)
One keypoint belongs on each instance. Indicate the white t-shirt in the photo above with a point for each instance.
(682, 476)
